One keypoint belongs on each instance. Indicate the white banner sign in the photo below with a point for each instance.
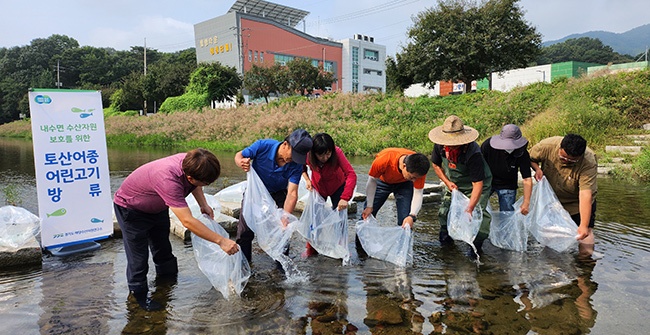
(71, 162)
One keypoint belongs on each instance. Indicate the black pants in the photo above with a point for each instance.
(141, 232)
(245, 236)
(592, 218)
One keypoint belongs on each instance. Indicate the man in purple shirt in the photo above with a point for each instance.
(142, 205)
(279, 165)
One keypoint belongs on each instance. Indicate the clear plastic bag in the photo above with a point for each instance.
(272, 226)
(196, 209)
(391, 244)
(507, 228)
(326, 229)
(18, 226)
(549, 223)
(462, 226)
(232, 193)
(228, 274)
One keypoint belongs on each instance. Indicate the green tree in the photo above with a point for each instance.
(218, 81)
(583, 49)
(398, 77)
(465, 40)
(130, 95)
(263, 81)
(304, 77)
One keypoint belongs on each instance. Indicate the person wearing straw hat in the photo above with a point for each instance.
(505, 154)
(458, 162)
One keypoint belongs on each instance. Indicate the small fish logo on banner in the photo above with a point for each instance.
(58, 212)
(96, 220)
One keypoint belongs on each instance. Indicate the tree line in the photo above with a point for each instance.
(173, 81)
(455, 40)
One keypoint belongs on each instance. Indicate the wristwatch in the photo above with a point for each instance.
(413, 216)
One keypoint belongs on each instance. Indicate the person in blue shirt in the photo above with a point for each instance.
(280, 166)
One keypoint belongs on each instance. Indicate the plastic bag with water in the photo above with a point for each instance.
(325, 228)
(549, 223)
(462, 226)
(272, 226)
(18, 226)
(507, 228)
(392, 244)
(227, 273)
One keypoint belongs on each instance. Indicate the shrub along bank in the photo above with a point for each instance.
(603, 108)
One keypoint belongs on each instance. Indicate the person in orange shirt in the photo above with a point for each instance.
(401, 172)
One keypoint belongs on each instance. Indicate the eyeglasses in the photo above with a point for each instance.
(567, 159)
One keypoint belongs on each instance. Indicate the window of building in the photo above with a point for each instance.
(328, 66)
(262, 56)
(282, 59)
(314, 62)
(256, 56)
(355, 87)
(250, 55)
(371, 71)
(371, 54)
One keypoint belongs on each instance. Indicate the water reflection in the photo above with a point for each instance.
(537, 292)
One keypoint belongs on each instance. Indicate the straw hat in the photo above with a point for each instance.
(453, 132)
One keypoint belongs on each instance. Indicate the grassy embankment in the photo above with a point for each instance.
(602, 108)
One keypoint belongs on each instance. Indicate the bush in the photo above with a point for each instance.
(185, 102)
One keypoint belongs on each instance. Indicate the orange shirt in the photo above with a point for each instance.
(385, 167)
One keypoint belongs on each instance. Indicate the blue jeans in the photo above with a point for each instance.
(403, 196)
(507, 199)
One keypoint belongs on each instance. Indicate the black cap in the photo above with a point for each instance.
(300, 142)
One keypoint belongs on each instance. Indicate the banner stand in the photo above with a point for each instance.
(71, 168)
(74, 248)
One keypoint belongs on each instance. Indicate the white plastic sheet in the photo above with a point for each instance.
(228, 274)
(326, 229)
(507, 228)
(392, 244)
(461, 225)
(272, 226)
(18, 226)
(548, 221)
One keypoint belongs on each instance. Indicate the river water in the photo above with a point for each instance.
(537, 292)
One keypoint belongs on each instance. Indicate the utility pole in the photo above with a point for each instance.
(58, 78)
(145, 72)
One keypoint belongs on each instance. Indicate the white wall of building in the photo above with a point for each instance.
(520, 77)
(418, 90)
(216, 40)
(371, 70)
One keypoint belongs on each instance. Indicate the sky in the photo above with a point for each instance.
(168, 25)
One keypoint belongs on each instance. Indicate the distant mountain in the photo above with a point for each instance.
(631, 42)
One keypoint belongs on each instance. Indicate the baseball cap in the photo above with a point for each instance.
(300, 142)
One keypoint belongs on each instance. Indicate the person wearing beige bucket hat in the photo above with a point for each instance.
(458, 162)
(506, 154)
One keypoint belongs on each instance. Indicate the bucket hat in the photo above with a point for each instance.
(453, 132)
(509, 139)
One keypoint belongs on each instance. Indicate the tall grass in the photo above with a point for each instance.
(599, 107)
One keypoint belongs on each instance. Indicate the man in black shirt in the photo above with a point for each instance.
(506, 154)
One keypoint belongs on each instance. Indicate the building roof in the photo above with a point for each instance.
(283, 14)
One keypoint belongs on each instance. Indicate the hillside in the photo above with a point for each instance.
(601, 107)
(631, 42)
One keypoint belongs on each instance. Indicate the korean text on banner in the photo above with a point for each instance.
(71, 163)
